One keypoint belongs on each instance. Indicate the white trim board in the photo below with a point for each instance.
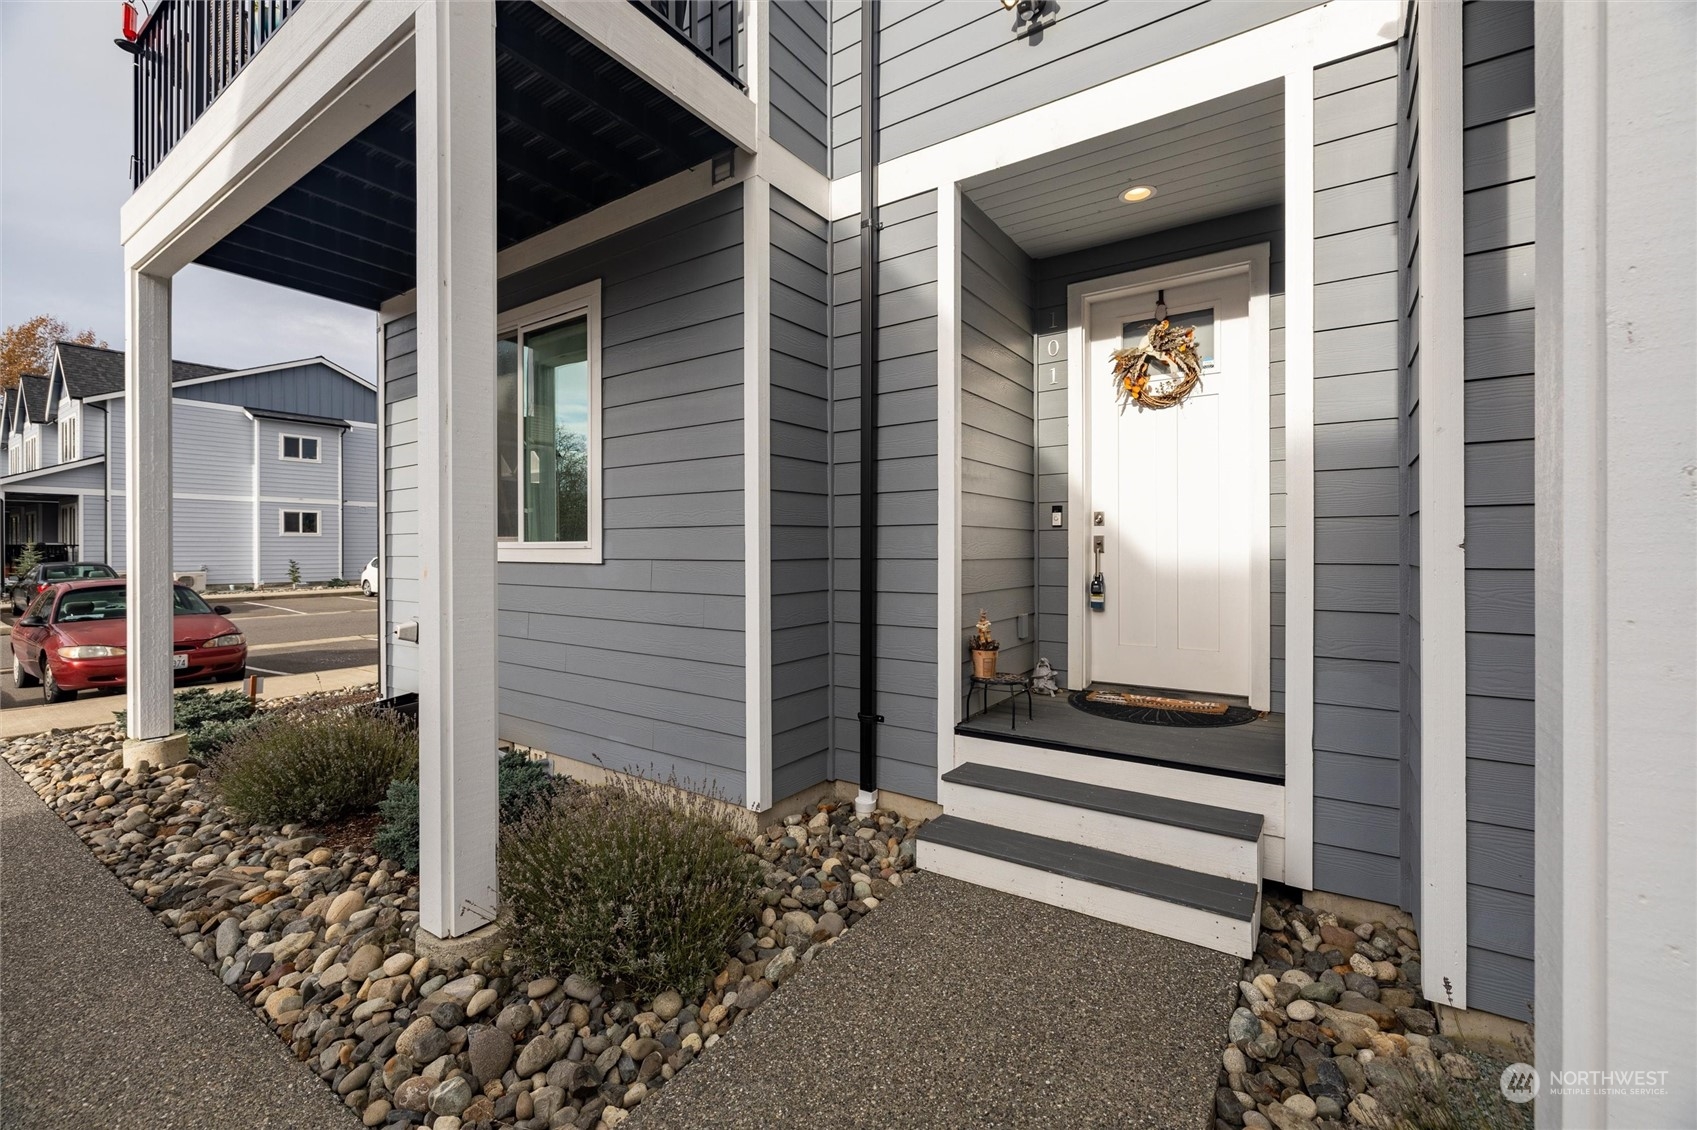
(1443, 511)
(949, 640)
(1308, 38)
(757, 492)
(1299, 475)
(672, 68)
(1254, 263)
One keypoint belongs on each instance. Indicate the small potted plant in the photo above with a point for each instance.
(984, 649)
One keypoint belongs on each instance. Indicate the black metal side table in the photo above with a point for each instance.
(1014, 684)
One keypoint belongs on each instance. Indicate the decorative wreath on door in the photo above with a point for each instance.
(1175, 349)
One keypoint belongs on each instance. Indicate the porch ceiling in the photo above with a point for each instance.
(575, 130)
(1207, 160)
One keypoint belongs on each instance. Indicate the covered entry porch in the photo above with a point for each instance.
(364, 152)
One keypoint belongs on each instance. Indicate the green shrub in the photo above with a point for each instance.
(521, 784)
(336, 583)
(294, 572)
(314, 768)
(397, 831)
(629, 881)
(210, 719)
(208, 738)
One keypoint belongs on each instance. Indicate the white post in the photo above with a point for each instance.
(456, 441)
(149, 723)
(1616, 607)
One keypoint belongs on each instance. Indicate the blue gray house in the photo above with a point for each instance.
(269, 465)
(780, 336)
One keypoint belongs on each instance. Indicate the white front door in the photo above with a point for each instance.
(1173, 489)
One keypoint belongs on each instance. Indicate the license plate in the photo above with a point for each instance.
(179, 662)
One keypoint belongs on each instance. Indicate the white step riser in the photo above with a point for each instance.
(1169, 920)
(1160, 843)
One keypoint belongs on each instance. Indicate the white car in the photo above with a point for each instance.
(369, 580)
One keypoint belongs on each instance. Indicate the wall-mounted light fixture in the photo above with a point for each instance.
(1029, 16)
(724, 166)
(1138, 193)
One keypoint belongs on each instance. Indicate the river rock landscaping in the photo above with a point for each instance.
(1331, 1030)
(313, 928)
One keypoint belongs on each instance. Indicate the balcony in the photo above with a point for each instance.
(189, 51)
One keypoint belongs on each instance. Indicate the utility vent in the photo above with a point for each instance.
(194, 579)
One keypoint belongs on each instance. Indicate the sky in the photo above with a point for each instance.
(65, 130)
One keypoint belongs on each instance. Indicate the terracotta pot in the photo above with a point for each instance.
(983, 664)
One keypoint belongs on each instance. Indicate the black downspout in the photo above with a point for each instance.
(869, 716)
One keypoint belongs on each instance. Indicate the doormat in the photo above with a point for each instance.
(1160, 710)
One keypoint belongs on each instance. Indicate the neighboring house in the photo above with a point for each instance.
(269, 465)
(631, 277)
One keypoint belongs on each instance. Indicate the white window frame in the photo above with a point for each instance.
(317, 447)
(582, 300)
(68, 437)
(317, 521)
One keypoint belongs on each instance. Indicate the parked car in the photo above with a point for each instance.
(28, 586)
(52, 552)
(369, 580)
(71, 638)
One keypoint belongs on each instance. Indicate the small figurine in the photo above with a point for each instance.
(1043, 679)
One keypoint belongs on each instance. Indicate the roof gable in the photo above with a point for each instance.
(92, 371)
(36, 407)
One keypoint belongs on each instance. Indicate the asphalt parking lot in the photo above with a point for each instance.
(284, 636)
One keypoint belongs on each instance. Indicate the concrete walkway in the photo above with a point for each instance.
(105, 1020)
(97, 709)
(955, 1006)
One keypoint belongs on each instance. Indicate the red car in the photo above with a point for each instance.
(71, 638)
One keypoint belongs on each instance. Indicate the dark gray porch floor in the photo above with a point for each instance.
(1256, 749)
(957, 1006)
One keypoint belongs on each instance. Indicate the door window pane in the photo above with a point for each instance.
(555, 394)
(507, 437)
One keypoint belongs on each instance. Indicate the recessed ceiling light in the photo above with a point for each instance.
(1138, 193)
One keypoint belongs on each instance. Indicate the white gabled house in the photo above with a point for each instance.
(269, 465)
(780, 333)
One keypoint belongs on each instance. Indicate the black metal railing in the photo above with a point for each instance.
(186, 54)
(709, 26)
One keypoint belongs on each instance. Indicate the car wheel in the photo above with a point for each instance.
(365, 587)
(51, 691)
(20, 677)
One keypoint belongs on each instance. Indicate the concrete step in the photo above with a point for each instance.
(1191, 906)
(1182, 833)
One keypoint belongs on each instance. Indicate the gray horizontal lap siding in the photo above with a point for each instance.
(318, 555)
(997, 440)
(91, 544)
(907, 496)
(1497, 109)
(947, 68)
(1053, 276)
(1357, 460)
(311, 389)
(801, 91)
(638, 662)
(216, 536)
(800, 497)
(399, 588)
